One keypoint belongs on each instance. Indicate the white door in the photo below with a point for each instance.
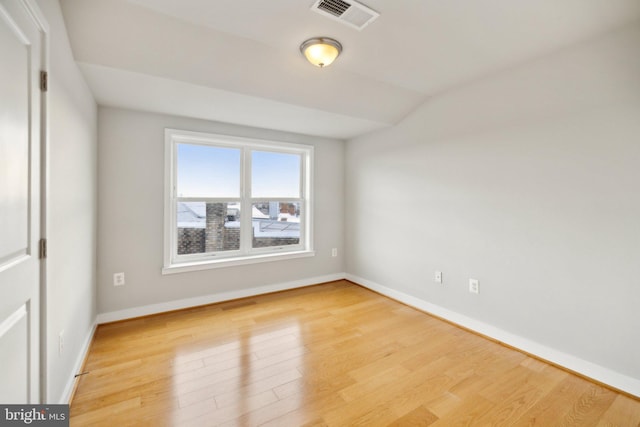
(20, 213)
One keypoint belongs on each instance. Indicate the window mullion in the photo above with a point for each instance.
(209, 199)
(305, 188)
(173, 202)
(277, 199)
(303, 199)
(246, 221)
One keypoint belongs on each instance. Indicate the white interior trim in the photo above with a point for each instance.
(591, 370)
(235, 261)
(146, 310)
(84, 350)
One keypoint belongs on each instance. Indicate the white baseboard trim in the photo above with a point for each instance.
(596, 372)
(146, 310)
(68, 389)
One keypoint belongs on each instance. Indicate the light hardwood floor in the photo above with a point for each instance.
(328, 355)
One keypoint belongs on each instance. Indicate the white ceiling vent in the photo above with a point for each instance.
(349, 12)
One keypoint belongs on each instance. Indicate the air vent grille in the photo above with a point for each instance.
(351, 13)
(334, 7)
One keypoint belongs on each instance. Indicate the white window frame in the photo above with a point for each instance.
(174, 263)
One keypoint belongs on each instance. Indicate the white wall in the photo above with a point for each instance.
(130, 219)
(528, 181)
(71, 263)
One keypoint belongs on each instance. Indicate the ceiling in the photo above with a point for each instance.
(238, 61)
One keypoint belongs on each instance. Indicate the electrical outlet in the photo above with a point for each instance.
(60, 342)
(474, 286)
(437, 277)
(334, 252)
(118, 279)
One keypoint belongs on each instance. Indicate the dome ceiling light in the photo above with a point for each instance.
(321, 51)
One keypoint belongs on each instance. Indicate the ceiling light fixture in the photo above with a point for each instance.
(321, 51)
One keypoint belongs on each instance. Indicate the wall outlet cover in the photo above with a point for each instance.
(437, 277)
(60, 343)
(118, 279)
(474, 286)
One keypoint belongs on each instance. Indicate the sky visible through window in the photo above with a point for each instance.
(206, 171)
(275, 174)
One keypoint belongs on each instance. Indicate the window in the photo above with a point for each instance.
(231, 200)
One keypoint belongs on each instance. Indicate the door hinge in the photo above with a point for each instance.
(44, 81)
(43, 248)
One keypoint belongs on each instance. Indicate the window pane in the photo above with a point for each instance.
(275, 174)
(207, 227)
(205, 171)
(275, 224)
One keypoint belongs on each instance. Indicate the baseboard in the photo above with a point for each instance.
(67, 394)
(147, 310)
(582, 367)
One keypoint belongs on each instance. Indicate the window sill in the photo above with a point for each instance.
(232, 262)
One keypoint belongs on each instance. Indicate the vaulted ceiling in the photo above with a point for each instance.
(238, 61)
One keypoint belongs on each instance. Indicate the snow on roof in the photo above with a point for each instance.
(194, 214)
(191, 215)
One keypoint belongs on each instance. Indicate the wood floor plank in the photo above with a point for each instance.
(373, 383)
(590, 406)
(304, 408)
(419, 417)
(429, 375)
(622, 412)
(467, 413)
(334, 354)
(105, 414)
